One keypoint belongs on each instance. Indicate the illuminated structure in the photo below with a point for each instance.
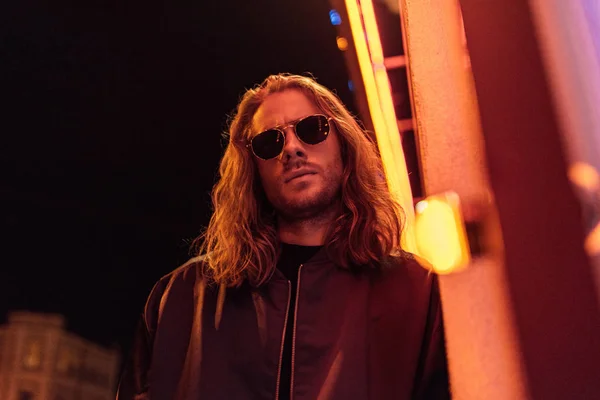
(39, 360)
(504, 99)
(385, 110)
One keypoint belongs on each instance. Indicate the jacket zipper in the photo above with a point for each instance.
(294, 334)
(287, 311)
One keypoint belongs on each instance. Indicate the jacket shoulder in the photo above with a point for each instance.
(184, 278)
(407, 263)
(406, 274)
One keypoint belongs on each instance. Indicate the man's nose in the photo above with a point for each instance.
(293, 146)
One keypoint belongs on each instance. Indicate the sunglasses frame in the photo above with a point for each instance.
(283, 128)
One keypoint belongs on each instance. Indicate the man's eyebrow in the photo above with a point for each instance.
(284, 124)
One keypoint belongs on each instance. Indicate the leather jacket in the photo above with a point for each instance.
(370, 333)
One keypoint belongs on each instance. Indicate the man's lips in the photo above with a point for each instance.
(296, 174)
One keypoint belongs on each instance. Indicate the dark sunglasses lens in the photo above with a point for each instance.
(268, 144)
(313, 129)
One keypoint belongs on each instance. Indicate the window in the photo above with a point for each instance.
(32, 358)
(64, 360)
(68, 361)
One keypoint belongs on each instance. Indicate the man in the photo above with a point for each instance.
(301, 290)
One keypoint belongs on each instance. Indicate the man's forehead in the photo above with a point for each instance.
(281, 109)
(265, 119)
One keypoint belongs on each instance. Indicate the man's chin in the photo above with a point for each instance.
(304, 208)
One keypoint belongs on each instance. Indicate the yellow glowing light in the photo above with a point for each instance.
(440, 233)
(587, 179)
(592, 242)
(421, 206)
(585, 176)
(342, 43)
(33, 357)
(381, 107)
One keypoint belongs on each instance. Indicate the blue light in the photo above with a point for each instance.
(335, 18)
(351, 86)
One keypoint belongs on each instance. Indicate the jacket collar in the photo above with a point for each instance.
(320, 257)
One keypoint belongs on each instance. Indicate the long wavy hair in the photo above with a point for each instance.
(241, 241)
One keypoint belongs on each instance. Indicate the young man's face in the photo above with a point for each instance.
(305, 180)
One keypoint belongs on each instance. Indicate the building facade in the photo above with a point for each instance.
(40, 360)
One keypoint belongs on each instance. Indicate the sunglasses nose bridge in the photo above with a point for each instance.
(290, 136)
(291, 143)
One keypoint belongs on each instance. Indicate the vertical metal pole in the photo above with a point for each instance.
(483, 350)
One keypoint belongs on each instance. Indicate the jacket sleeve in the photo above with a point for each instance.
(133, 384)
(434, 380)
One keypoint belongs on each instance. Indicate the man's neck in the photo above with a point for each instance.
(305, 232)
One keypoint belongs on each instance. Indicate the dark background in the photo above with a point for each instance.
(111, 122)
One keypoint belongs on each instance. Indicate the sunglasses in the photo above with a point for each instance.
(309, 130)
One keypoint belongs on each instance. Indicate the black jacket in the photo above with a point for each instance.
(373, 334)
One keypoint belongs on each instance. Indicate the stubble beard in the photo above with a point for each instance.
(320, 206)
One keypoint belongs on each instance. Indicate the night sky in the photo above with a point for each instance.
(111, 122)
